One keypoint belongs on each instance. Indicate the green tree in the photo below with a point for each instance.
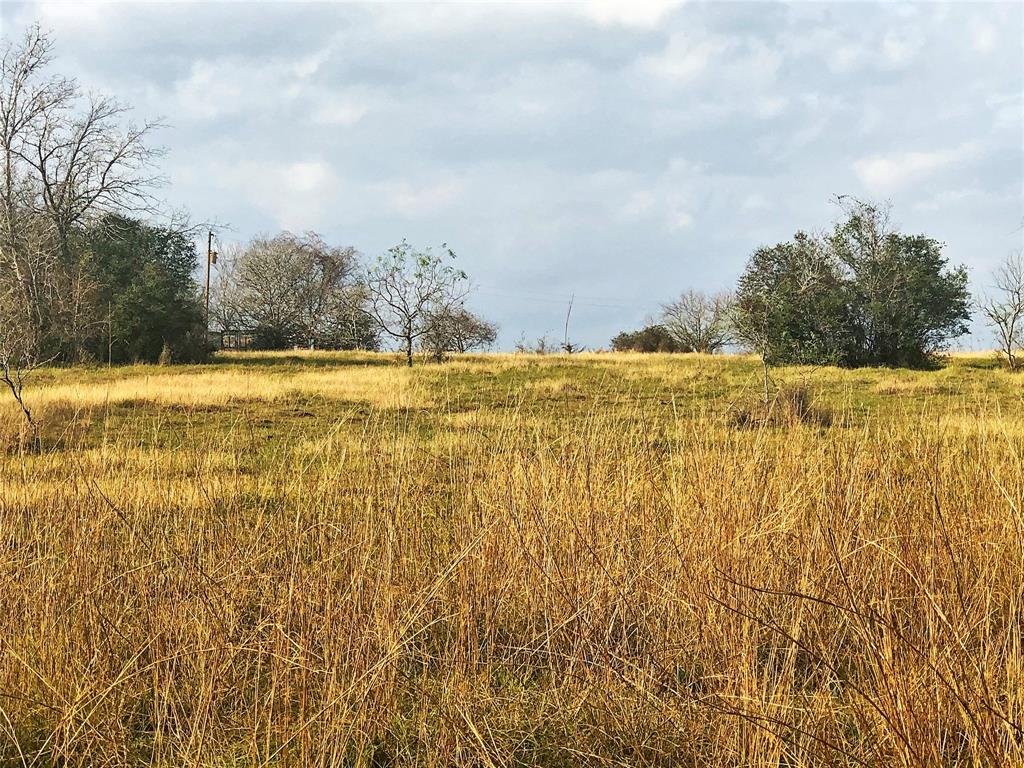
(651, 338)
(905, 301)
(791, 304)
(863, 294)
(144, 281)
(408, 287)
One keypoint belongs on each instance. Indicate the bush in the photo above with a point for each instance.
(792, 404)
(653, 338)
(863, 294)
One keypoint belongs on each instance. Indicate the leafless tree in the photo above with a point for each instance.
(292, 290)
(329, 293)
(62, 166)
(543, 345)
(408, 287)
(25, 99)
(19, 355)
(699, 321)
(1003, 308)
(15, 364)
(88, 164)
(457, 330)
(226, 312)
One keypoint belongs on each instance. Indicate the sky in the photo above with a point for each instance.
(617, 152)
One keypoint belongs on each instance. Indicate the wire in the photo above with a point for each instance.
(596, 301)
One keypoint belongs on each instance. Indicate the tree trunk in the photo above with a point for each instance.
(408, 351)
(33, 425)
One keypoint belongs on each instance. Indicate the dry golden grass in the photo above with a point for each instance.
(328, 560)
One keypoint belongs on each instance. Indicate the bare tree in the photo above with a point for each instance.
(1004, 308)
(15, 364)
(699, 321)
(88, 164)
(19, 356)
(62, 166)
(291, 290)
(408, 287)
(329, 293)
(457, 330)
(25, 99)
(542, 346)
(226, 311)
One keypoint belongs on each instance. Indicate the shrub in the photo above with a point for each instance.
(653, 338)
(792, 404)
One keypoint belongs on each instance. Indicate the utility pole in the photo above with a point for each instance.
(211, 258)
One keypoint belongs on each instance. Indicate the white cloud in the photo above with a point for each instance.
(847, 57)
(633, 13)
(309, 65)
(666, 200)
(679, 219)
(899, 48)
(686, 57)
(639, 204)
(731, 76)
(296, 195)
(215, 89)
(307, 177)
(340, 110)
(416, 200)
(948, 199)
(983, 36)
(755, 202)
(1007, 110)
(881, 173)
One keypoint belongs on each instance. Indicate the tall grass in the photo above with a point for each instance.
(447, 569)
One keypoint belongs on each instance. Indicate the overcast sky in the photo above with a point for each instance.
(620, 152)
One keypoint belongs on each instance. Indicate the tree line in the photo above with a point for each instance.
(86, 273)
(297, 291)
(860, 294)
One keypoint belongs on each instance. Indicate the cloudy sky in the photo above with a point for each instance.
(620, 152)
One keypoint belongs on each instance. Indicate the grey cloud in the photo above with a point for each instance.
(566, 151)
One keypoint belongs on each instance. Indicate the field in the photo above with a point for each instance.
(331, 560)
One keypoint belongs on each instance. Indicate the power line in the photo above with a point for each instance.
(563, 300)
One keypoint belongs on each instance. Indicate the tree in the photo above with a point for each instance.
(293, 290)
(1004, 308)
(699, 322)
(28, 265)
(863, 294)
(145, 284)
(791, 304)
(408, 287)
(19, 355)
(457, 330)
(542, 346)
(64, 166)
(651, 338)
(906, 303)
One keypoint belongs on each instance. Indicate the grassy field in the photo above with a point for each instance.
(331, 560)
